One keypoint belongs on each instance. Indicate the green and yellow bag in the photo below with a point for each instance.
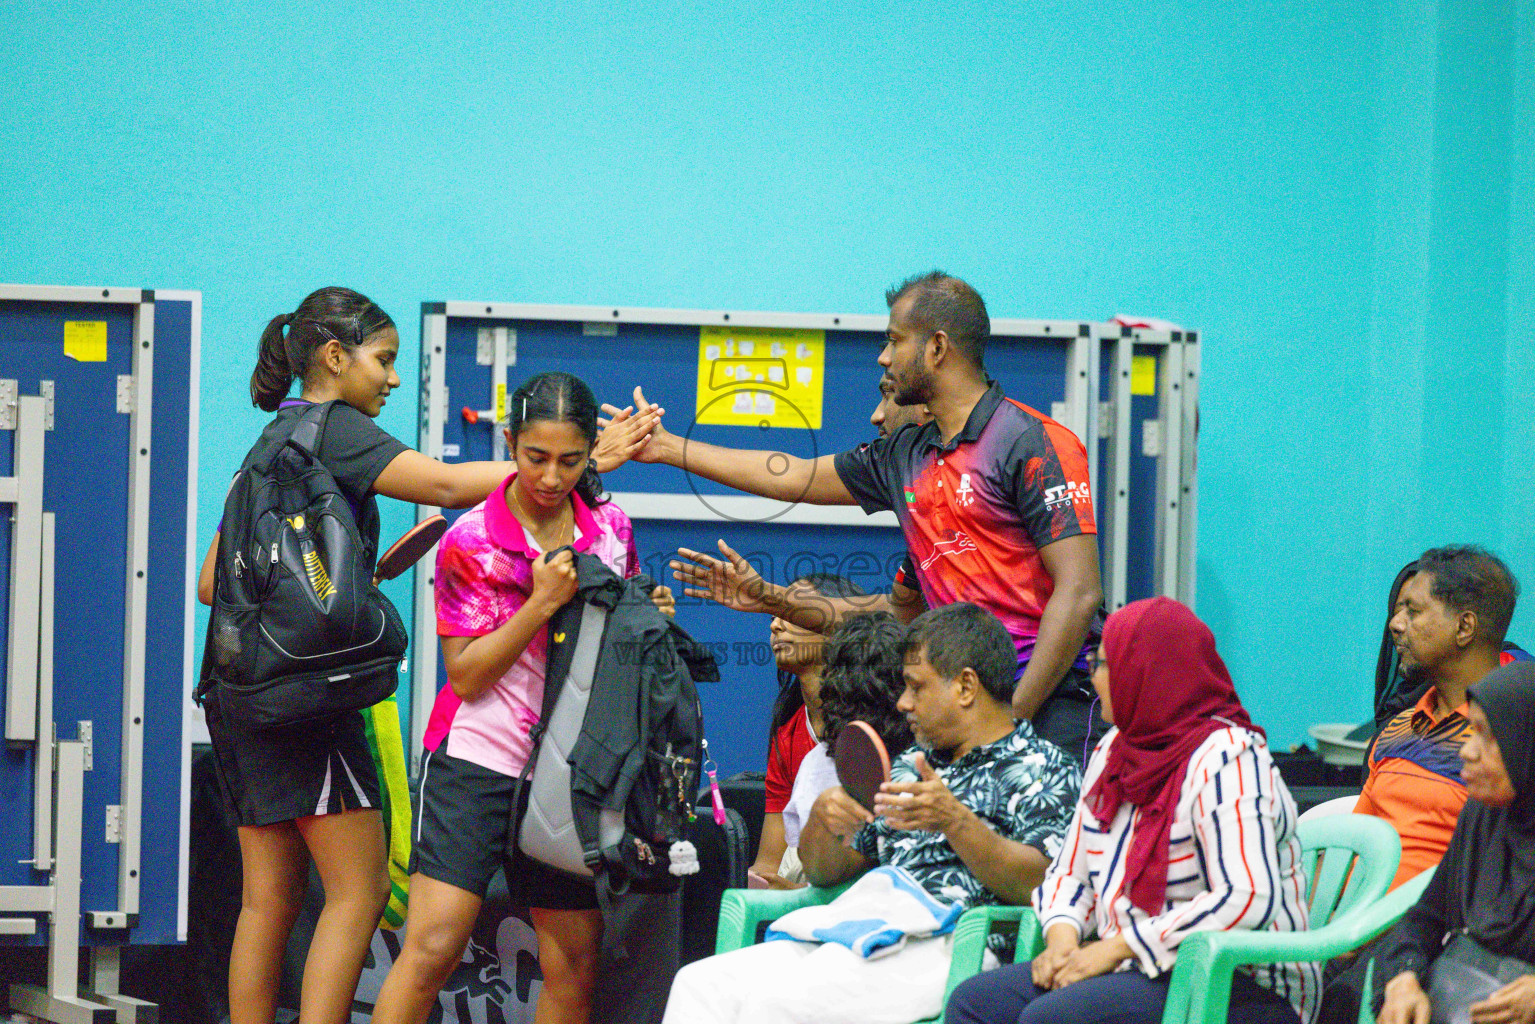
(382, 724)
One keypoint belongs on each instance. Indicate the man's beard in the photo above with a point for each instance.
(916, 389)
(926, 746)
(1412, 671)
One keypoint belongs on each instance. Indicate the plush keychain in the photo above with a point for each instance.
(683, 857)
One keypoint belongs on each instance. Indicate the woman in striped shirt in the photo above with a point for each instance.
(1184, 825)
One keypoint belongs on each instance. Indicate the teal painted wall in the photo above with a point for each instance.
(1340, 195)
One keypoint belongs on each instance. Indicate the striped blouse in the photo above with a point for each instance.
(1234, 863)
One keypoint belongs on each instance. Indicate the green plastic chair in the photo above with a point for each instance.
(1350, 860)
(1376, 920)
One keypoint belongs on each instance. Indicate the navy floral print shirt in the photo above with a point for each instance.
(1022, 786)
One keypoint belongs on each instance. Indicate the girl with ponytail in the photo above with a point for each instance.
(503, 570)
(310, 791)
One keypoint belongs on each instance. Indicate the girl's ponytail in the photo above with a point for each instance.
(274, 374)
(288, 344)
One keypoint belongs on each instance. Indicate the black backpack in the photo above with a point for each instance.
(298, 631)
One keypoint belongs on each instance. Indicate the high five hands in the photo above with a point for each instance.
(635, 429)
(625, 433)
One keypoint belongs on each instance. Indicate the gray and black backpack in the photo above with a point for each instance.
(619, 747)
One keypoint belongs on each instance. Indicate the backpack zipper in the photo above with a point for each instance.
(239, 566)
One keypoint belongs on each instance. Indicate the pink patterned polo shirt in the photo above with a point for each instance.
(484, 574)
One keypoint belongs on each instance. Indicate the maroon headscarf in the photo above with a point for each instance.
(1168, 691)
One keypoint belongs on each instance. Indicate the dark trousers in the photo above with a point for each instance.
(1071, 723)
(1343, 984)
(1007, 996)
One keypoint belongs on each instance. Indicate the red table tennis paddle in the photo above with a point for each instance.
(407, 551)
(862, 762)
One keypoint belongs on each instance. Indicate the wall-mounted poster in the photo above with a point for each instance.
(761, 376)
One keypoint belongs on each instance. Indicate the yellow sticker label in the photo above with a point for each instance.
(761, 377)
(500, 402)
(559, 638)
(1143, 375)
(85, 341)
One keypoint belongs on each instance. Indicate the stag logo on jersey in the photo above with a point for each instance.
(1067, 494)
(956, 544)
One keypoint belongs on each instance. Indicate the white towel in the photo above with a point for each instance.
(874, 917)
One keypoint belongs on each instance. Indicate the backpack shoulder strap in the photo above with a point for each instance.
(305, 436)
(564, 631)
(309, 428)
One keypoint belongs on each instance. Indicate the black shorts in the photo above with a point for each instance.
(295, 771)
(461, 837)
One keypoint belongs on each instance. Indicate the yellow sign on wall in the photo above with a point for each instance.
(761, 376)
(85, 341)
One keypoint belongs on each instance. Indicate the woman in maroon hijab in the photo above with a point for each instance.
(1184, 825)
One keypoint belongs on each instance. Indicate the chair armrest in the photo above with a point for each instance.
(1359, 858)
(975, 927)
(742, 910)
(1201, 983)
(970, 935)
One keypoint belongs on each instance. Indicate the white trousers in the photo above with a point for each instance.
(808, 983)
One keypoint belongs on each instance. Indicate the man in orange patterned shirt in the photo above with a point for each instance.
(1448, 625)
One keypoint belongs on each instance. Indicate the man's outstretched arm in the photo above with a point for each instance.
(768, 474)
(735, 583)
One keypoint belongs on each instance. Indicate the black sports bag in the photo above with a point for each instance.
(298, 630)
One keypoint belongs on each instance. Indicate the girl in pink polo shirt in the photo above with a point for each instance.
(309, 791)
(497, 587)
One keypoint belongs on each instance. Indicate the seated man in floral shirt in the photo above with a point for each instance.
(972, 814)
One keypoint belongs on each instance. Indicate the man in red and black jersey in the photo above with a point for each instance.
(993, 497)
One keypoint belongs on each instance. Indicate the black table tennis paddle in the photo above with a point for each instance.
(863, 763)
(407, 551)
